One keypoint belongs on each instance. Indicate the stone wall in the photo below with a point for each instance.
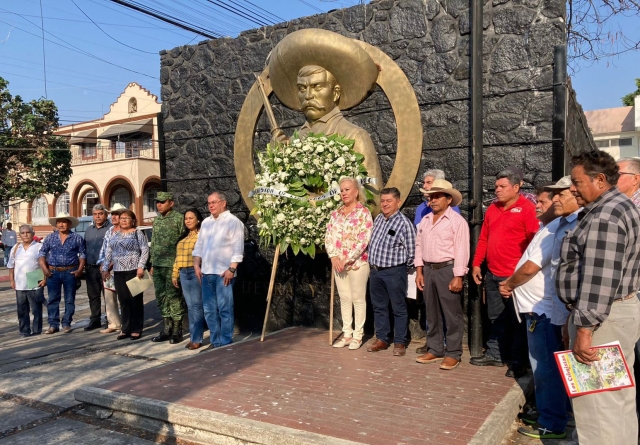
(204, 86)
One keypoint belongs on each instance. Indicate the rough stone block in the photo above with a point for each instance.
(407, 20)
(512, 20)
(444, 34)
(510, 54)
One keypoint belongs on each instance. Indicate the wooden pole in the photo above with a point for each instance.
(333, 280)
(272, 282)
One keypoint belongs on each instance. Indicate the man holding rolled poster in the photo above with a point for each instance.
(597, 279)
(24, 271)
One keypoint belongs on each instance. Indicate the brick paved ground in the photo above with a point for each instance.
(295, 379)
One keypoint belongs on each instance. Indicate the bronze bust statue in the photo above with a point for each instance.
(321, 76)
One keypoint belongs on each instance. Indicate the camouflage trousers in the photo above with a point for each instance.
(170, 300)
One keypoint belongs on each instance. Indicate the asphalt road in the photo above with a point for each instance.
(39, 374)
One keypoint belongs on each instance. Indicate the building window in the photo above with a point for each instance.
(88, 201)
(150, 202)
(62, 203)
(40, 211)
(602, 144)
(626, 142)
(120, 196)
(120, 147)
(89, 150)
(133, 105)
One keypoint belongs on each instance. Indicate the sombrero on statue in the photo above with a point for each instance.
(352, 67)
(73, 220)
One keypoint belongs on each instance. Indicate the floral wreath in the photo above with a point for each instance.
(297, 189)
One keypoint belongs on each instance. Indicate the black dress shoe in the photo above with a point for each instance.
(486, 360)
(516, 371)
(92, 326)
(122, 336)
(208, 348)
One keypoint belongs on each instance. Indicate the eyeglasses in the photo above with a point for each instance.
(627, 173)
(214, 202)
(25, 233)
(126, 219)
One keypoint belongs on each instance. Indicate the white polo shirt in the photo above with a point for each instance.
(535, 294)
(23, 261)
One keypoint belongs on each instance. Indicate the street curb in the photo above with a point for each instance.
(499, 422)
(196, 424)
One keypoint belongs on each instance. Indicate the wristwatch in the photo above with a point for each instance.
(232, 269)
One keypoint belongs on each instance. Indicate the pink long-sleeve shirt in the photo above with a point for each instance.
(447, 239)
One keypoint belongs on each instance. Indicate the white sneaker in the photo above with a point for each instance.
(355, 344)
(344, 341)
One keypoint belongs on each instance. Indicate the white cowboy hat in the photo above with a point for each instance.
(64, 215)
(117, 207)
(442, 186)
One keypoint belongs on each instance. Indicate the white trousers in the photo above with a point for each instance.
(111, 303)
(352, 289)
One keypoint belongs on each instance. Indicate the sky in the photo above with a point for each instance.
(89, 64)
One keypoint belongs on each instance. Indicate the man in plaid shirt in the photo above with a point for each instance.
(391, 251)
(597, 279)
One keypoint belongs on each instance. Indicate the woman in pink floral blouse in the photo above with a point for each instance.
(346, 241)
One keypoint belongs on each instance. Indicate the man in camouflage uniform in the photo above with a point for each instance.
(167, 228)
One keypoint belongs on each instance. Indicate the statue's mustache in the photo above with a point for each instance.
(312, 104)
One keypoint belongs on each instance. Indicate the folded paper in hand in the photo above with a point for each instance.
(34, 277)
(137, 286)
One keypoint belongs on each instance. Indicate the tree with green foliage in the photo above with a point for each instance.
(628, 100)
(33, 160)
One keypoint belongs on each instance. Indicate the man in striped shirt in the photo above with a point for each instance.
(597, 279)
(391, 251)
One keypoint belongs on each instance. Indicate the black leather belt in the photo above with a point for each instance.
(378, 268)
(435, 266)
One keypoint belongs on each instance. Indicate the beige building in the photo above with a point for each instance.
(617, 130)
(115, 160)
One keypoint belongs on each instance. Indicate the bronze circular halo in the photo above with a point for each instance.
(396, 86)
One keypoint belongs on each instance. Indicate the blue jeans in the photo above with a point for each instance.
(389, 286)
(551, 398)
(217, 301)
(35, 300)
(192, 291)
(58, 281)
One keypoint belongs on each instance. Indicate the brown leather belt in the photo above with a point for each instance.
(436, 266)
(62, 269)
(571, 306)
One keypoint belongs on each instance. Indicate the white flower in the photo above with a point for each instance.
(320, 149)
(327, 166)
(340, 161)
(298, 165)
(277, 160)
(336, 197)
(329, 204)
(280, 217)
(296, 222)
(309, 226)
(301, 173)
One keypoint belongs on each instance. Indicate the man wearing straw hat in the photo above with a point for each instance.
(321, 73)
(441, 259)
(62, 259)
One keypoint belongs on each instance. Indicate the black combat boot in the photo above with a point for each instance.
(165, 334)
(177, 332)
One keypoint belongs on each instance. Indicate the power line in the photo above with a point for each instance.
(76, 49)
(310, 6)
(44, 57)
(107, 34)
(201, 32)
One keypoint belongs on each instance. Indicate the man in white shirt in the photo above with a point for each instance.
(9, 239)
(23, 258)
(216, 256)
(533, 287)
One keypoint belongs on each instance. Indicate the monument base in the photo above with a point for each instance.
(295, 389)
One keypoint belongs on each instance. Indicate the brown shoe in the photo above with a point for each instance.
(378, 345)
(194, 346)
(67, 329)
(428, 358)
(399, 349)
(52, 330)
(449, 363)
(188, 344)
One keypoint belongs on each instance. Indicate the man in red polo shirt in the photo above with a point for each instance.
(509, 225)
